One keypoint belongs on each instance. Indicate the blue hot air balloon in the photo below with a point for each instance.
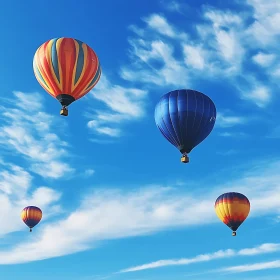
(185, 118)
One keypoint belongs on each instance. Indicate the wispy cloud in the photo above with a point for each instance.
(95, 124)
(124, 104)
(265, 27)
(16, 193)
(175, 6)
(263, 59)
(145, 211)
(225, 120)
(233, 134)
(253, 89)
(218, 46)
(159, 24)
(155, 64)
(29, 131)
(252, 267)
(229, 253)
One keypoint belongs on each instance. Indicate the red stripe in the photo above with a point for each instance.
(62, 62)
(239, 218)
(69, 50)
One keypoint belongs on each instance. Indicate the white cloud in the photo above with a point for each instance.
(124, 103)
(121, 100)
(276, 72)
(95, 124)
(160, 25)
(265, 28)
(29, 131)
(222, 254)
(15, 194)
(224, 120)
(261, 95)
(166, 55)
(167, 71)
(256, 92)
(252, 267)
(222, 18)
(34, 102)
(194, 56)
(114, 132)
(146, 211)
(228, 44)
(14, 180)
(263, 59)
(53, 169)
(225, 38)
(219, 50)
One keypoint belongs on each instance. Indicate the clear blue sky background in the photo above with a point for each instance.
(117, 202)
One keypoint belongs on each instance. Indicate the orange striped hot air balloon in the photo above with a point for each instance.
(31, 216)
(67, 69)
(232, 209)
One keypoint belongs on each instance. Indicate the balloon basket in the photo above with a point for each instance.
(233, 233)
(64, 112)
(185, 159)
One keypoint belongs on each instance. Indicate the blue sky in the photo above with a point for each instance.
(117, 202)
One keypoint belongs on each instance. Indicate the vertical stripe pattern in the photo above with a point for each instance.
(185, 118)
(66, 66)
(31, 216)
(232, 209)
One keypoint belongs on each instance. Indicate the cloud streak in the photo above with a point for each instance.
(145, 211)
(252, 267)
(229, 253)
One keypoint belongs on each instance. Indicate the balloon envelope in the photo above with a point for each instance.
(31, 216)
(185, 118)
(232, 209)
(66, 68)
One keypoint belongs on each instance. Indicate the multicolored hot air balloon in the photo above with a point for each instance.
(185, 118)
(31, 216)
(232, 209)
(67, 69)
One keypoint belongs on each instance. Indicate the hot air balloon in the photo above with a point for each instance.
(31, 216)
(67, 69)
(185, 118)
(232, 209)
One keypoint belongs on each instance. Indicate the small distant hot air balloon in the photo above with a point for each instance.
(31, 216)
(67, 69)
(185, 118)
(232, 209)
